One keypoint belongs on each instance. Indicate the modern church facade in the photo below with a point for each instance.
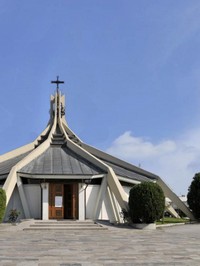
(58, 176)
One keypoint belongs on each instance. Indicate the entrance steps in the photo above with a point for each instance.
(64, 225)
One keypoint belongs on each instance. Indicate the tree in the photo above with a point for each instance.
(193, 196)
(146, 203)
(2, 204)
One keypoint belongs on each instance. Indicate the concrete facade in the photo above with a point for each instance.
(37, 197)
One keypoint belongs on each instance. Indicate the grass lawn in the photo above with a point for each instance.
(171, 220)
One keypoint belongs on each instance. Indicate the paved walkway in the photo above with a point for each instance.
(177, 245)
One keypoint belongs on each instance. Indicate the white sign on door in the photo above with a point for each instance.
(58, 201)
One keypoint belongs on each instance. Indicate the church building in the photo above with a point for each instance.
(58, 176)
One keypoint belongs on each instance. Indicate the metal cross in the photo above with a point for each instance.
(57, 82)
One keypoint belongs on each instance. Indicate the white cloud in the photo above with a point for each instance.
(175, 161)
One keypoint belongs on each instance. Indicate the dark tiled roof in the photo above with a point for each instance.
(7, 165)
(121, 171)
(60, 160)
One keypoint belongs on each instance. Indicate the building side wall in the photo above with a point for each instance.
(33, 197)
(88, 195)
(106, 212)
(14, 203)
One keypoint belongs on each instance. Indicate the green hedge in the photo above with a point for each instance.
(146, 203)
(2, 204)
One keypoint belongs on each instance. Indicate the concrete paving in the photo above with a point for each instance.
(119, 245)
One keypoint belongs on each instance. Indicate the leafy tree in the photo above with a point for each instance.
(2, 204)
(146, 203)
(193, 196)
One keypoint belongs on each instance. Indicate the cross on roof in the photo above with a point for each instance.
(57, 82)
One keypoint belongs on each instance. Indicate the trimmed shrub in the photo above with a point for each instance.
(193, 196)
(13, 215)
(2, 204)
(146, 203)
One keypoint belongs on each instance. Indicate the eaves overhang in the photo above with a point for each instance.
(7, 165)
(129, 173)
(113, 161)
(130, 181)
(55, 177)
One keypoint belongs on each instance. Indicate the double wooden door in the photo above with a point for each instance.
(63, 201)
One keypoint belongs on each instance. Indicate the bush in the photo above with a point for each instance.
(13, 215)
(125, 216)
(2, 204)
(146, 203)
(193, 196)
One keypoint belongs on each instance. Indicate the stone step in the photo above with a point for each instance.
(33, 228)
(64, 225)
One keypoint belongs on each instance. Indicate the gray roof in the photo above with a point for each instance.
(121, 171)
(61, 161)
(7, 165)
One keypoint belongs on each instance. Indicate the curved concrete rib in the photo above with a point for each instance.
(11, 180)
(93, 155)
(90, 153)
(175, 199)
(112, 179)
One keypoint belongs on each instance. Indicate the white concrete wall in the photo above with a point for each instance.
(81, 205)
(14, 203)
(106, 212)
(33, 197)
(45, 201)
(91, 197)
(37, 200)
(127, 189)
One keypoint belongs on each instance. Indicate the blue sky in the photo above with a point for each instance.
(131, 72)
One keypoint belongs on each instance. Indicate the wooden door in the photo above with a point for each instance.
(71, 201)
(56, 208)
